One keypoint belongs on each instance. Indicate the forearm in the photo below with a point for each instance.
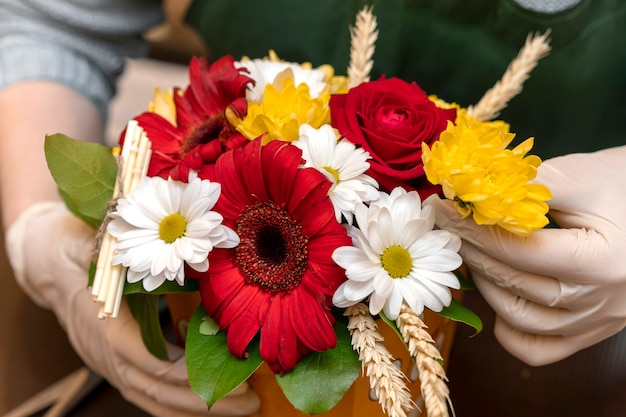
(29, 111)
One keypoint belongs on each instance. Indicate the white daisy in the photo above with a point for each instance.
(342, 163)
(397, 256)
(163, 225)
(265, 71)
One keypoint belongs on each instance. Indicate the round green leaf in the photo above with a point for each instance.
(320, 380)
(213, 370)
(85, 174)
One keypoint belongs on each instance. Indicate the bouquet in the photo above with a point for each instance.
(290, 199)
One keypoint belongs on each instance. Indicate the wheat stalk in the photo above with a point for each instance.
(518, 71)
(363, 37)
(432, 376)
(386, 379)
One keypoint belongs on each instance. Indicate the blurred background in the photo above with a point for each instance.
(484, 379)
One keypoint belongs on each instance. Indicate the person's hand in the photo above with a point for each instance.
(559, 290)
(50, 251)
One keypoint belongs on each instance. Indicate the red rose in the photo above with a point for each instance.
(390, 119)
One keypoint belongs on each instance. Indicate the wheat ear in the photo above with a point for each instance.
(432, 376)
(518, 71)
(363, 36)
(386, 379)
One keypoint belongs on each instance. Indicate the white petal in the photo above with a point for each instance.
(376, 303)
(200, 266)
(411, 295)
(447, 279)
(135, 276)
(231, 238)
(357, 291)
(443, 260)
(430, 243)
(151, 283)
(383, 283)
(393, 304)
(339, 299)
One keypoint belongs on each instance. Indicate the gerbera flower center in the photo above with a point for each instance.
(172, 227)
(272, 252)
(210, 129)
(397, 261)
(332, 171)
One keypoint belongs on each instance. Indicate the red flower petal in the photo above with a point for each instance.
(312, 324)
(260, 187)
(242, 330)
(281, 163)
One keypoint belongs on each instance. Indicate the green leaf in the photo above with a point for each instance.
(320, 380)
(391, 324)
(465, 283)
(85, 174)
(168, 287)
(458, 312)
(92, 273)
(213, 370)
(145, 309)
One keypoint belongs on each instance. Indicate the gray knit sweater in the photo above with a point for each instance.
(78, 43)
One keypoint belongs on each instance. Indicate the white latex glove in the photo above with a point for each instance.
(559, 290)
(50, 251)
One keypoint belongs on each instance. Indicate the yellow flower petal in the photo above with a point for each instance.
(282, 111)
(163, 105)
(484, 178)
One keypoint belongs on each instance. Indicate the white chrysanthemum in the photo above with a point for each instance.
(397, 256)
(164, 224)
(342, 163)
(265, 71)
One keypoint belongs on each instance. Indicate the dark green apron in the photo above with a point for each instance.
(457, 49)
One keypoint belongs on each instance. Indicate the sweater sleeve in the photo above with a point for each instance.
(78, 43)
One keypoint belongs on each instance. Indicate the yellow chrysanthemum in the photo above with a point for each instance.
(337, 84)
(163, 105)
(463, 119)
(281, 112)
(471, 162)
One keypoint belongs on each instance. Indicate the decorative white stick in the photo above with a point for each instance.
(108, 284)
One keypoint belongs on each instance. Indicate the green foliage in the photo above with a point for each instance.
(315, 385)
(145, 309)
(321, 379)
(85, 174)
(213, 370)
(391, 323)
(458, 312)
(465, 284)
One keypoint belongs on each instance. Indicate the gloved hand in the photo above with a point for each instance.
(50, 250)
(559, 290)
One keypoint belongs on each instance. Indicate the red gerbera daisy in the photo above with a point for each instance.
(202, 132)
(279, 281)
